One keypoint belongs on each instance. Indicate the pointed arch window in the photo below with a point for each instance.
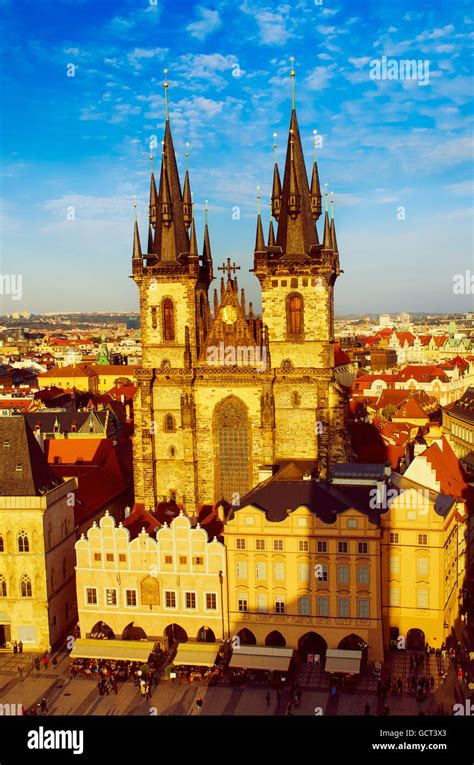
(23, 542)
(170, 424)
(3, 586)
(232, 439)
(294, 315)
(2, 544)
(25, 587)
(168, 319)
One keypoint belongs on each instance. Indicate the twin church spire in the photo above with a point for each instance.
(296, 206)
(172, 237)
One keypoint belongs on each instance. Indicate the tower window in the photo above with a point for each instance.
(295, 399)
(23, 542)
(170, 425)
(168, 319)
(295, 315)
(153, 317)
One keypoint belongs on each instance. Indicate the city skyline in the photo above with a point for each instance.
(400, 172)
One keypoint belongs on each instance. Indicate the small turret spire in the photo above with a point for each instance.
(137, 249)
(259, 239)
(271, 235)
(206, 250)
(187, 196)
(315, 190)
(333, 225)
(327, 239)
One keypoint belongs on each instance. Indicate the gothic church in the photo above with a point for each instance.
(224, 396)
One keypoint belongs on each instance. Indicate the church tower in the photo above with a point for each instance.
(297, 274)
(173, 281)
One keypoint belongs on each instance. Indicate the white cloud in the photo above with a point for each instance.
(319, 77)
(273, 26)
(140, 55)
(210, 21)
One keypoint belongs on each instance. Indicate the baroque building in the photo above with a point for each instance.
(222, 392)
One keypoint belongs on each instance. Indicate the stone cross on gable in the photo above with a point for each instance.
(228, 268)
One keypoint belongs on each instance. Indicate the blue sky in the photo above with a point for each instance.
(81, 142)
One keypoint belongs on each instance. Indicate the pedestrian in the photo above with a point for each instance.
(113, 681)
(432, 682)
(20, 647)
(37, 664)
(33, 711)
(267, 699)
(20, 672)
(100, 688)
(44, 706)
(15, 647)
(199, 703)
(367, 709)
(148, 690)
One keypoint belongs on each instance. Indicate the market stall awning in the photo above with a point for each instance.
(345, 662)
(118, 650)
(257, 657)
(197, 654)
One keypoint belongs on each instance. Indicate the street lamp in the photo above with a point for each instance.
(221, 582)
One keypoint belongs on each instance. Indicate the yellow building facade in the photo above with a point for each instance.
(169, 587)
(308, 580)
(37, 537)
(424, 554)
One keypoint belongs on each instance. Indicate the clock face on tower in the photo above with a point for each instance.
(229, 314)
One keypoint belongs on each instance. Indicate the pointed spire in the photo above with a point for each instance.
(315, 189)
(294, 195)
(187, 197)
(259, 239)
(171, 238)
(150, 238)
(296, 233)
(222, 287)
(327, 240)
(193, 249)
(333, 226)
(206, 250)
(216, 302)
(137, 249)
(271, 235)
(251, 321)
(165, 196)
(152, 207)
(242, 299)
(276, 188)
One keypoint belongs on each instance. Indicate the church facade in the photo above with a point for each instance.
(225, 396)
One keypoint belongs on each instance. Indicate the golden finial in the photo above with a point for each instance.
(165, 85)
(315, 140)
(258, 199)
(135, 206)
(332, 204)
(206, 210)
(187, 156)
(326, 195)
(275, 146)
(293, 74)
